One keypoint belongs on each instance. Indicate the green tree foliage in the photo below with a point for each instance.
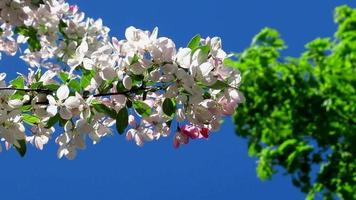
(300, 113)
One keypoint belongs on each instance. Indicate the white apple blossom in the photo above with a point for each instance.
(86, 81)
(65, 103)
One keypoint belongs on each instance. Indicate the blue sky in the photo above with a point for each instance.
(218, 168)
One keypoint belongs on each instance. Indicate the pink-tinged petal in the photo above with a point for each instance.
(138, 140)
(63, 92)
(73, 8)
(204, 132)
(130, 134)
(62, 152)
(119, 99)
(108, 73)
(175, 143)
(39, 143)
(127, 82)
(83, 127)
(190, 131)
(116, 43)
(7, 145)
(181, 138)
(132, 121)
(72, 153)
(65, 113)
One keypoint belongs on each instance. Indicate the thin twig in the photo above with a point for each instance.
(28, 90)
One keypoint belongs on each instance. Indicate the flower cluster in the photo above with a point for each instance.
(87, 82)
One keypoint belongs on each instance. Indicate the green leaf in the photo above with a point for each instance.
(37, 3)
(52, 87)
(18, 95)
(105, 87)
(129, 103)
(86, 78)
(33, 42)
(64, 76)
(219, 85)
(120, 87)
(104, 109)
(169, 123)
(52, 121)
(137, 80)
(194, 42)
(22, 148)
(135, 59)
(142, 108)
(75, 85)
(231, 63)
(36, 85)
(122, 120)
(62, 122)
(18, 83)
(206, 95)
(38, 74)
(204, 49)
(31, 119)
(169, 107)
(61, 27)
(26, 108)
(287, 143)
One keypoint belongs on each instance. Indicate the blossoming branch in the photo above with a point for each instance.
(84, 83)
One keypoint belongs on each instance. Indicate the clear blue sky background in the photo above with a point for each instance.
(215, 169)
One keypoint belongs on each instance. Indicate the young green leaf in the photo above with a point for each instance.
(194, 42)
(104, 109)
(61, 27)
(33, 42)
(135, 59)
(86, 78)
(75, 85)
(52, 121)
(52, 87)
(219, 85)
(142, 108)
(31, 119)
(18, 83)
(122, 120)
(64, 76)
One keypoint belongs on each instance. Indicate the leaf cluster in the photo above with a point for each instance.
(300, 113)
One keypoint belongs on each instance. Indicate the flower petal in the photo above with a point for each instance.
(63, 92)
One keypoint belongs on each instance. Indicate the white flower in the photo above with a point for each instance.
(64, 104)
(183, 57)
(40, 137)
(79, 55)
(11, 128)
